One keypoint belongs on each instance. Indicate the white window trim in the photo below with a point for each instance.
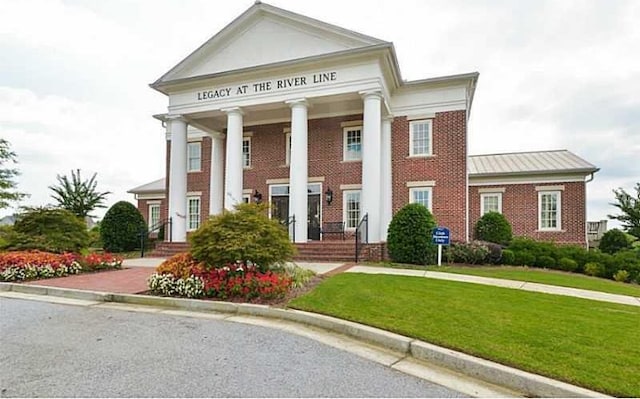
(287, 146)
(199, 143)
(246, 138)
(483, 196)
(189, 198)
(428, 189)
(344, 142)
(149, 209)
(344, 209)
(558, 213)
(429, 122)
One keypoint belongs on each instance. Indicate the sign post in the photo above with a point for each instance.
(441, 237)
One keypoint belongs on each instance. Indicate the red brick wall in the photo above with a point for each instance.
(447, 167)
(520, 207)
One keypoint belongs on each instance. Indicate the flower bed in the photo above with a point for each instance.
(181, 275)
(23, 265)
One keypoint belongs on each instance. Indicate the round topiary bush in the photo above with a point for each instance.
(594, 269)
(409, 236)
(545, 262)
(613, 241)
(567, 264)
(120, 229)
(494, 227)
(246, 234)
(524, 258)
(48, 229)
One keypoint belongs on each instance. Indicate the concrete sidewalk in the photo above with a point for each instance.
(518, 285)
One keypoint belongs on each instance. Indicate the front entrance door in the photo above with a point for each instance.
(313, 229)
(280, 207)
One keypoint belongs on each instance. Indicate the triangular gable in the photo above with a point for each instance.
(264, 35)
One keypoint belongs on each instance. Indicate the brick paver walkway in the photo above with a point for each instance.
(126, 281)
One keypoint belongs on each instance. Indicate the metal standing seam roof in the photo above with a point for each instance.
(156, 186)
(534, 162)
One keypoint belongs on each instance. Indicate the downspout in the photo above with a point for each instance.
(586, 233)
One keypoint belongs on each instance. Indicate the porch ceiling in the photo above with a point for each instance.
(319, 107)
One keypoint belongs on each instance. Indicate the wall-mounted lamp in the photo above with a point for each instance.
(328, 195)
(257, 197)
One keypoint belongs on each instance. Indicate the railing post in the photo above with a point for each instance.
(170, 229)
(141, 233)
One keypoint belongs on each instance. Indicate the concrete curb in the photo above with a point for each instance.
(521, 381)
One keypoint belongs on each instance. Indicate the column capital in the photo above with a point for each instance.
(371, 93)
(232, 110)
(297, 102)
(388, 118)
(217, 135)
(175, 117)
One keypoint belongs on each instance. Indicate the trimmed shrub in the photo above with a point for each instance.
(473, 253)
(246, 235)
(576, 253)
(567, 264)
(409, 236)
(536, 248)
(121, 227)
(594, 269)
(508, 257)
(48, 229)
(623, 260)
(493, 227)
(621, 276)
(524, 258)
(545, 261)
(613, 241)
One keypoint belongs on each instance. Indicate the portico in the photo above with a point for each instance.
(226, 126)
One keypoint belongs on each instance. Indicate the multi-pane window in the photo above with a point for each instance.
(287, 141)
(246, 198)
(420, 138)
(351, 208)
(154, 215)
(549, 210)
(246, 152)
(353, 143)
(490, 202)
(421, 195)
(194, 156)
(193, 213)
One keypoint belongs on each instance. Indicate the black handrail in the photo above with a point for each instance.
(291, 220)
(161, 226)
(360, 231)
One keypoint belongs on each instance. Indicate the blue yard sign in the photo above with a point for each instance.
(441, 237)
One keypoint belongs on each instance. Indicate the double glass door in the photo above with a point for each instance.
(280, 207)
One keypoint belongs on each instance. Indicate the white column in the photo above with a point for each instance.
(370, 198)
(216, 178)
(298, 168)
(178, 179)
(233, 164)
(385, 178)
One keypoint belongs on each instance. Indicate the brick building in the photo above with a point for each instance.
(317, 121)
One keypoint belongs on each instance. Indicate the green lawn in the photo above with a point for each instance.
(588, 343)
(542, 276)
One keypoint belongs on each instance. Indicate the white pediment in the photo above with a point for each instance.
(266, 35)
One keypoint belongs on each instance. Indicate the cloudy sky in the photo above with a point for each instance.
(553, 75)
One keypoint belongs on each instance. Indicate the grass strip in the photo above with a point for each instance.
(533, 275)
(587, 343)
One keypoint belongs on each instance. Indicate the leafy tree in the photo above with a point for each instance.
(77, 195)
(630, 208)
(613, 241)
(7, 184)
(246, 234)
(121, 227)
(47, 229)
(409, 236)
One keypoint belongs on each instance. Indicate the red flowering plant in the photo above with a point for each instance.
(23, 265)
(96, 261)
(243, 281)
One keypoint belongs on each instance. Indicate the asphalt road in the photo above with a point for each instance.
(61, 350)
